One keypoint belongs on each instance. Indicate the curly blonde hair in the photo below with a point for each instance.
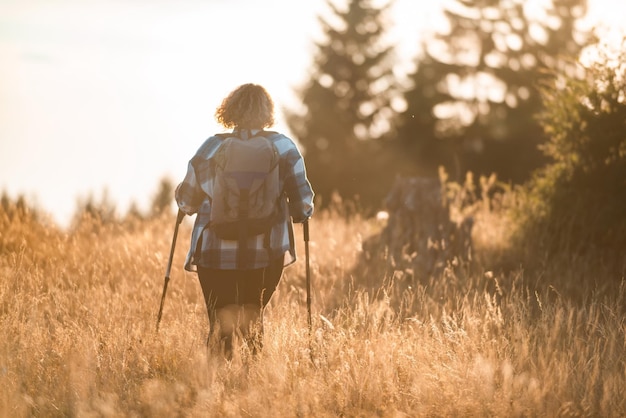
(249, 106)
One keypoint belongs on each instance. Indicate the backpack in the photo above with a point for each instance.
(246, 187)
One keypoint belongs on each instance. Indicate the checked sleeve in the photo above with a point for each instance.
(297, 187)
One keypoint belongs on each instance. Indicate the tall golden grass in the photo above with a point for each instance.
(78, 311)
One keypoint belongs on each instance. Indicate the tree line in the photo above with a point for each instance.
(471, 104)
(89, 209)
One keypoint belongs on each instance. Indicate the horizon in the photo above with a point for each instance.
(108, 98)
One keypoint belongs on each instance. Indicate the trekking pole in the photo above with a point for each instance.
(308, 272)
(179, 219)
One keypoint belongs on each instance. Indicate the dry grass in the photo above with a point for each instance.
(78, 310)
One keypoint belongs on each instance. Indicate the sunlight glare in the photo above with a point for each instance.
(116, 95)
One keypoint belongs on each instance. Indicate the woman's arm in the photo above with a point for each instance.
(298, 187)
(189, 195)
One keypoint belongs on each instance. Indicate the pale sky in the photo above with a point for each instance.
(116, 94)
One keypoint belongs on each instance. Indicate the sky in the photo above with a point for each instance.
(110, 96)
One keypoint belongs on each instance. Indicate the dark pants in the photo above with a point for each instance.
(235, 300)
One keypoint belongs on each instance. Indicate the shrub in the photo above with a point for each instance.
(576, 203)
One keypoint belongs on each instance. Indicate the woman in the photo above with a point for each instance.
(239, 276)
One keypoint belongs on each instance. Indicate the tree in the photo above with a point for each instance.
(90, 210)
(576, 203)
(475, 92)
(163, 198)
(346, 111)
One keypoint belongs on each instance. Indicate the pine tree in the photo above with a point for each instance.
(475, 93)
(346, 103)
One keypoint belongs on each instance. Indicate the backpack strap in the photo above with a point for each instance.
(223, 136)
(267, 134)
(262, 133)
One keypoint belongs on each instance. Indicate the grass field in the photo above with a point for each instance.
(78, 312)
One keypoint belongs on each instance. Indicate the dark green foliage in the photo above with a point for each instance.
(577, 203)
(346, 105)
(476, 88)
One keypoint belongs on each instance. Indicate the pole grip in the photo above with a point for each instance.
(305, 225)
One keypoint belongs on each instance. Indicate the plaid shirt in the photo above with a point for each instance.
(207, 250)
